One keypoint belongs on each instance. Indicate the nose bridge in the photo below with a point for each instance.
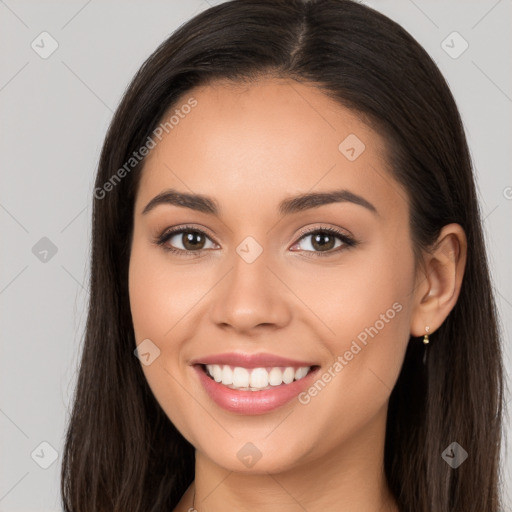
(250, 266)
(250, 294)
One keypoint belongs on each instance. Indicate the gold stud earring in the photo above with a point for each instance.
(425, 338)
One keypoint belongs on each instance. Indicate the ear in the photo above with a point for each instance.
(438, 280)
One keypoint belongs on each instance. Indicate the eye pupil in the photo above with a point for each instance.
(321, 240)
(190, 240)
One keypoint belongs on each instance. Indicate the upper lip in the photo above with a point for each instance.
(260, 360)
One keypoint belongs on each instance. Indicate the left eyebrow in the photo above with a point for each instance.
(288, 206)
(316, 199)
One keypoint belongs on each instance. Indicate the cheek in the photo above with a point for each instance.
(157, 304)
(148, 295)
(366, 306)
(352, 296)
(160, 293)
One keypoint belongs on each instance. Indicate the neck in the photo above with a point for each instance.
(283, 500)
(349, 479)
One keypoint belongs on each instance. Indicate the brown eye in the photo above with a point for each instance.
(325, 240)
(321, 241)
(186, 240)
(192, 241)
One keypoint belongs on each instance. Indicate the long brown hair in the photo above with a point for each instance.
(122, 453)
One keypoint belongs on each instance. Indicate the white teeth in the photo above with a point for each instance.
(227, 375)
(240, 377)
(275, 377)
(301, 372)
(255, 379)
(259, 378)
(217, 373)
(288, 375)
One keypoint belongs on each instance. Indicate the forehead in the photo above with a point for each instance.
(270, 138)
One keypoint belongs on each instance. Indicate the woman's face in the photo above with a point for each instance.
(254, 283)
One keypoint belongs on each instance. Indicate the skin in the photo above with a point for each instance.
(250, 147)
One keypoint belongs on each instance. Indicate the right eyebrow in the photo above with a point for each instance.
(196, 202)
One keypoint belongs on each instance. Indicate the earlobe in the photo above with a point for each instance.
(439, 283)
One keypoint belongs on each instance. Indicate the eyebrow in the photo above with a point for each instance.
(297, 204)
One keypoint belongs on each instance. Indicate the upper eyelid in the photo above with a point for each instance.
(167, 234)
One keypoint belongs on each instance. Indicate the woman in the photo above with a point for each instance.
(291, 306)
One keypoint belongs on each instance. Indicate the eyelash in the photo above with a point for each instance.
(162, 239)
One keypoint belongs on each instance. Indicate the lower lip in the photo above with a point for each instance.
(253, 402)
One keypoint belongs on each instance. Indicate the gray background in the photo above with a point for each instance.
(55, 112)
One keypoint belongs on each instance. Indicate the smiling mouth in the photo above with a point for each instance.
(255, 379)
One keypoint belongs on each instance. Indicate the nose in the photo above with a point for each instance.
(251, 297)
